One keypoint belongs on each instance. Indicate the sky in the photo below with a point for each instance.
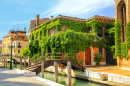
(18, 13)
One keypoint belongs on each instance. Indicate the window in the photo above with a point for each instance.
(65, 28)
(100, 50)
(106, 32)
(18, 51)
(19, 44)
(89, 30)
(51, 30)
(77, 50)
(14, 44)
(55, 32)
(100, 32)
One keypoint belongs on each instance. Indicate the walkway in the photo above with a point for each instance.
(109, 69)
(12, 78)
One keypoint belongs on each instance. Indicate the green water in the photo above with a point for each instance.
(63, 80)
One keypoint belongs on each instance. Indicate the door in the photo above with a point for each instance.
(88, 56)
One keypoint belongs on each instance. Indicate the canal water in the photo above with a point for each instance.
(63, 80)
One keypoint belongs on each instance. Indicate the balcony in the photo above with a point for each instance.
(19, 46)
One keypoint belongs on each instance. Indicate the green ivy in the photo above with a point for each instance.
(121, 49)
(76, 37)
(117, 26)
(95, 24)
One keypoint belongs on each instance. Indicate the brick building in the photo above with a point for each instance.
(89, 54)
(35, 23)
(122, 13)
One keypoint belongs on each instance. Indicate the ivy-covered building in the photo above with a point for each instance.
(96, 25)
(122, 32)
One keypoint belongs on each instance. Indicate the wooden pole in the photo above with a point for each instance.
(25, 64)
(29, 62)
(4, 62)
(21, 63)
(42, 69)
(56, 71)
(15, 64)
(69, 73)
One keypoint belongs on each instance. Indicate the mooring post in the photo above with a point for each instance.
(56, 71)
(42, 68)
(29, 62)
(4, 62)
(69, 73)
(25, 64)
(15, 64)
(21, 63)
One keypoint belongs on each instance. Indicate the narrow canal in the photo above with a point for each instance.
(63, 79)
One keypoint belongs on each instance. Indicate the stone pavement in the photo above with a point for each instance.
(12, 78)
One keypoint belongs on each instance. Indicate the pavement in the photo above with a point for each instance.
(110, 69)
(12, 78)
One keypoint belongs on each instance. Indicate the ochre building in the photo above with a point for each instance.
(20, 41)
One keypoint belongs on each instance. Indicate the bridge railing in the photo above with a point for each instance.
(56, 55)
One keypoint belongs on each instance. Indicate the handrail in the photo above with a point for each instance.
(51, 55)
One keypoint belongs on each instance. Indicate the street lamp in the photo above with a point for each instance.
(11, 54)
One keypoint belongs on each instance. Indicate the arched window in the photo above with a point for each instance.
(100, 32)
(123, 20)
(19, 44)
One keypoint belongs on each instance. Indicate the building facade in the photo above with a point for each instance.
(35, 23)
(89, 54)
(20, 41)
(122, 13)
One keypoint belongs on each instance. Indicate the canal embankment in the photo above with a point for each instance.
(92, 75)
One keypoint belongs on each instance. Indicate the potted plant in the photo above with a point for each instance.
(98, 58)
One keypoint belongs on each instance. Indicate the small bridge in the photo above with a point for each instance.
(8, 56)
(50, 58)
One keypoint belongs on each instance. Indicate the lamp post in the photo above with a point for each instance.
(11, 54)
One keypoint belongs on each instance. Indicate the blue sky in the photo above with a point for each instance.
(18, 13)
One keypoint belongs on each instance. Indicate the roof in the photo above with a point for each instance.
(102, 18)
(83, 20)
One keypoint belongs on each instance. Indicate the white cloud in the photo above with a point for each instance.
(72, 7)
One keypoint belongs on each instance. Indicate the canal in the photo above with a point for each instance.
(62, 79)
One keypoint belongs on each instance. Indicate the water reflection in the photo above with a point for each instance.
(63, 80)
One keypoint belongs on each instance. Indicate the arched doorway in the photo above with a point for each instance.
(88, 56)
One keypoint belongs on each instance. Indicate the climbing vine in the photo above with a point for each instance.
(95, 24)
(121, 49)
(71, 40)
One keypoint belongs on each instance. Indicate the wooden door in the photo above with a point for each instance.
(88, 56)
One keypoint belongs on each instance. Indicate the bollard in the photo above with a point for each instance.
(15, 64)
(25, 64)
(42, 69)
(69, 73)
(56, 71)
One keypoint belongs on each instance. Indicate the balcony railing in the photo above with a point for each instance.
(19, 46)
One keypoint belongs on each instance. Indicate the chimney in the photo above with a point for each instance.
(37, 20)
(25, 29)
(51, 17)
